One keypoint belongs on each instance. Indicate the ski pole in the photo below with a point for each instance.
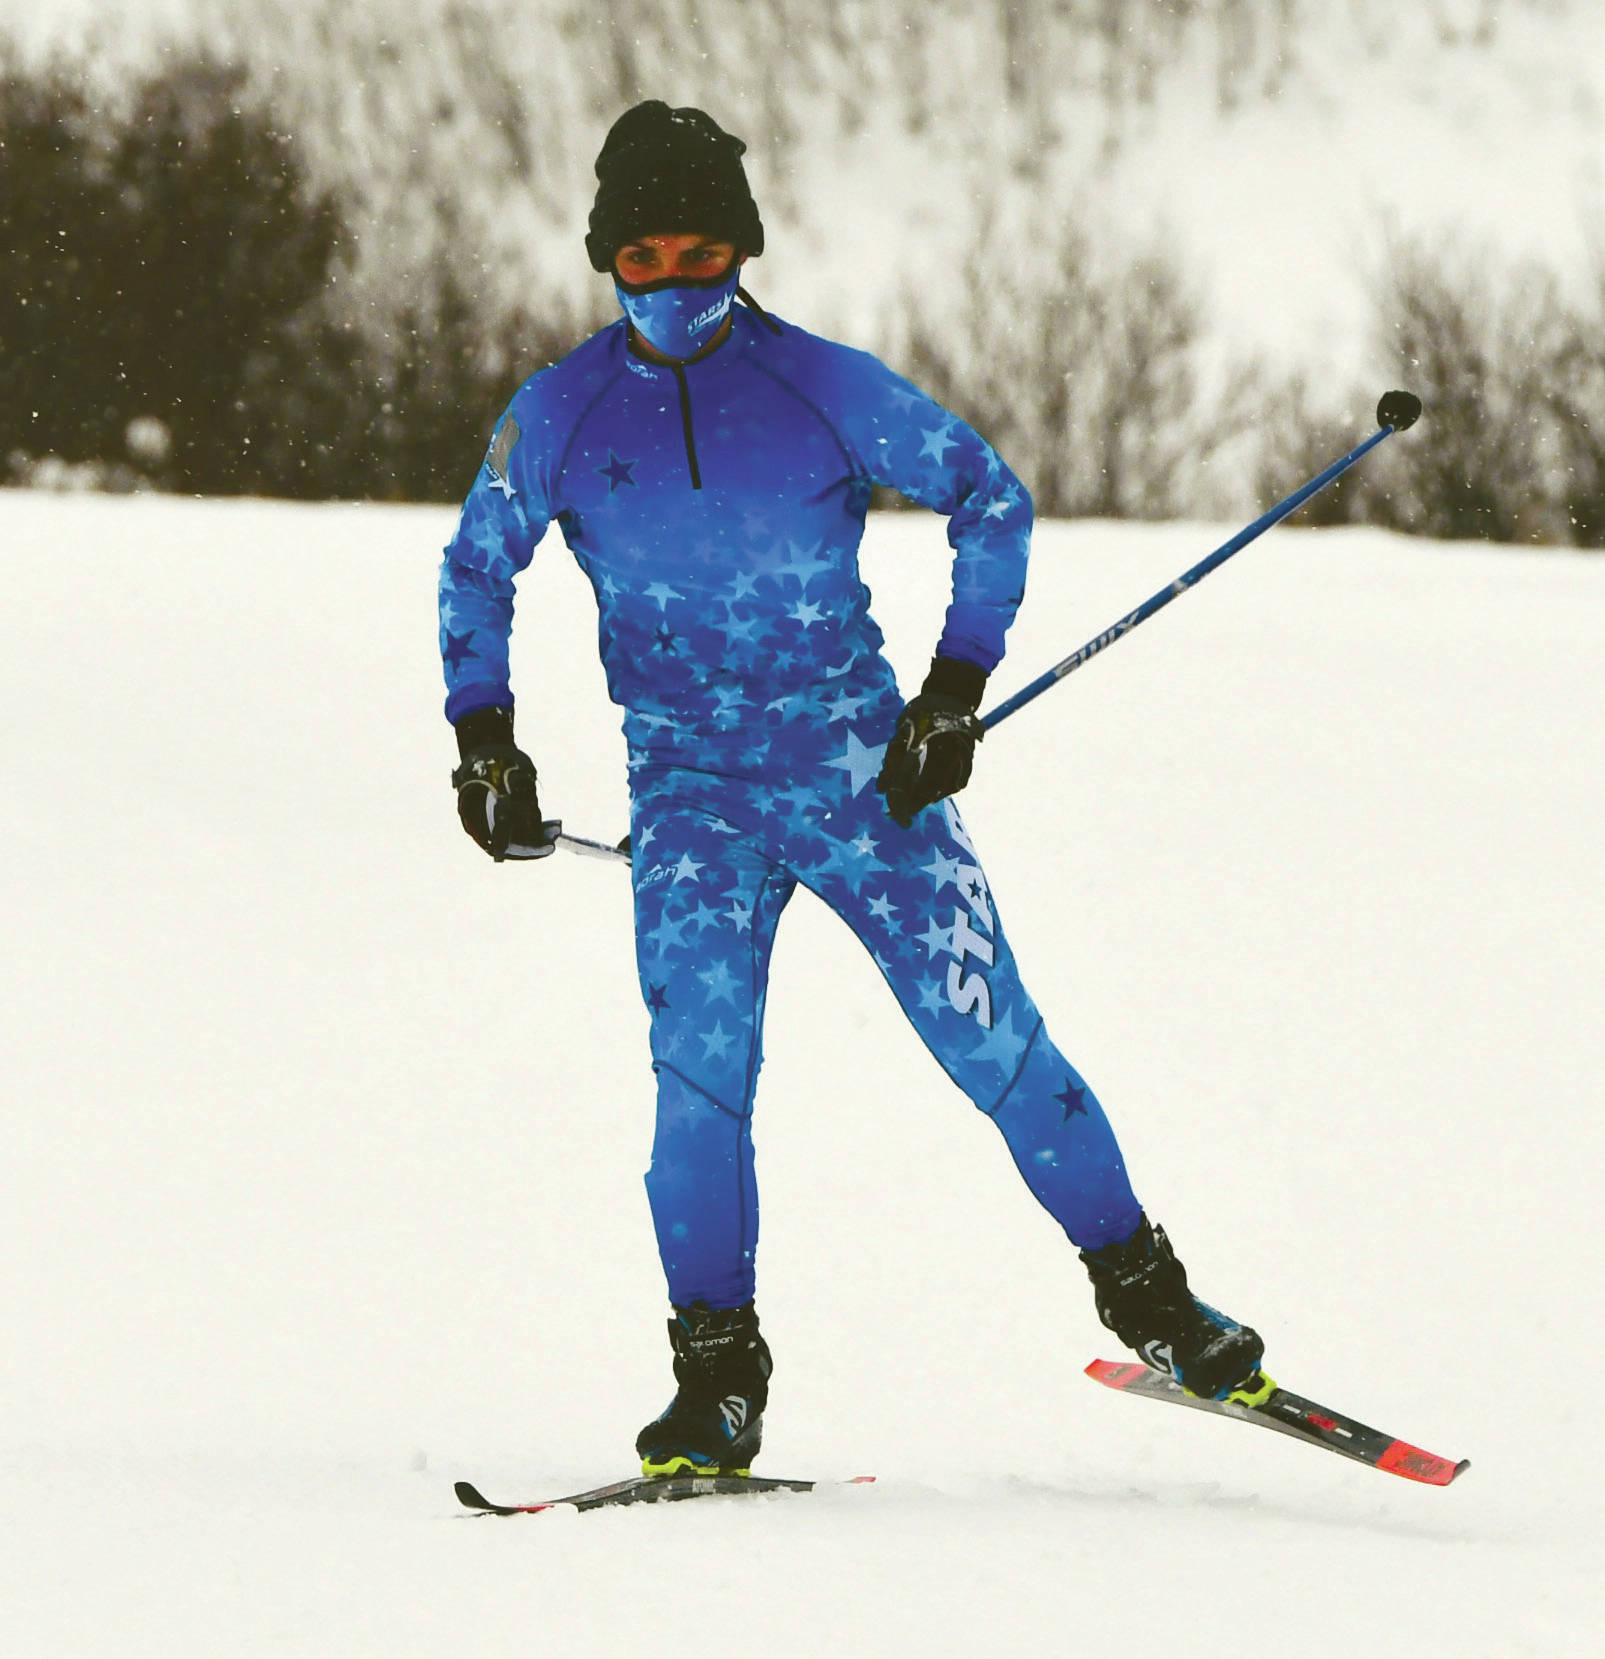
(1396, 412)
(584, 846)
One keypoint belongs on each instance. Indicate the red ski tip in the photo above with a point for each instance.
(1290, 1414)
(1414, 1464)
(1115, 1373)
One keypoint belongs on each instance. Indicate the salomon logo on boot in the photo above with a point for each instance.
(1159, 1357)
(714, 1424)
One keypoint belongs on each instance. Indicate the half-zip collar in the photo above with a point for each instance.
(685, 422)
(703, 372)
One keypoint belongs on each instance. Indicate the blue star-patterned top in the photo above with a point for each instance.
(718, 513)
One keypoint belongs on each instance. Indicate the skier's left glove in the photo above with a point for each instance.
(495, 786)
(931, 751)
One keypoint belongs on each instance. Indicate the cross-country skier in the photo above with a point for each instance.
(710, 467)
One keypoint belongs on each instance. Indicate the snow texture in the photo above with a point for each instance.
(321, 1181)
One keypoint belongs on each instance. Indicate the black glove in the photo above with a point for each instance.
(495, 787)
(930, 753)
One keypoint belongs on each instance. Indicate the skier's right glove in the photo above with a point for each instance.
(495, 786)
(931, 751)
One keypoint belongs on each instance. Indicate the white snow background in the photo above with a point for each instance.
(321, 1181)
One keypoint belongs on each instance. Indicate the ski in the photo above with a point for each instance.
(1290, 1413)
(649, 1489)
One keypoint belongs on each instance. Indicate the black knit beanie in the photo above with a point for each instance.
(664, 171)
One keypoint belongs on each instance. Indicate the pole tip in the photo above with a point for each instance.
(1400, 410)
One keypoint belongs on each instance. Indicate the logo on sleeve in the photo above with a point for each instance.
(501, 452)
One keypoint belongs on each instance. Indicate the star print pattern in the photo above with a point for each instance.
(751, 582)
(1002, 1046)
(860, 762)
(735, 632)
(726, 855)
(618, 472)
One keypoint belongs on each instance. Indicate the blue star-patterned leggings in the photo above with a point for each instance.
(715, 860)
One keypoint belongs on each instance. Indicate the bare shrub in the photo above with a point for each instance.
(1475, 347)
(1512, 375)
(1300, 435)
(161, 253)
(1511, 447)
(1576, 399)
(171, 271)
(1080, 368)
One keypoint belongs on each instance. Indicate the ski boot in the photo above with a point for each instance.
(714, 1424)
(1142, 1296)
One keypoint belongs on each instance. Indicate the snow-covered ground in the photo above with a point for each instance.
(320, 1185)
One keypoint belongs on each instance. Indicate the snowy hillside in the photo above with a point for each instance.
(1273, 145)
(321, 1180)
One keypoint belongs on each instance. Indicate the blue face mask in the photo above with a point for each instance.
(679, 317)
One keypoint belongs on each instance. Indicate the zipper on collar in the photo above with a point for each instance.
(685, 422)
